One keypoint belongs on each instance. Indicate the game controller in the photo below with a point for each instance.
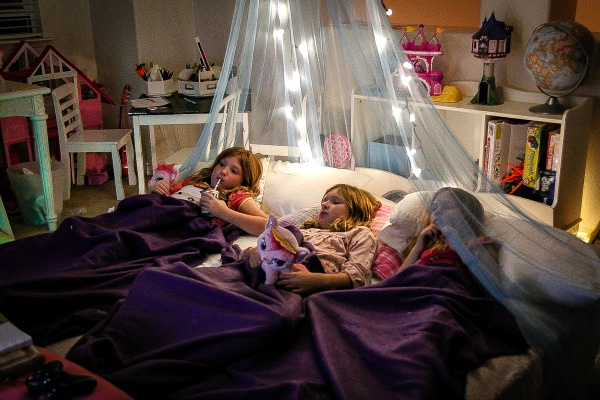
(56, 384)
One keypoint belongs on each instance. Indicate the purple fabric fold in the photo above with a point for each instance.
(214, 333)
(60, 284)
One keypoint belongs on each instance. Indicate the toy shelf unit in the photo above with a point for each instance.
(469, 123)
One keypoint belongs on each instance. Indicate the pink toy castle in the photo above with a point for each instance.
(421, 52)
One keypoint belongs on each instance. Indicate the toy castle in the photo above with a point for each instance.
(421, 52)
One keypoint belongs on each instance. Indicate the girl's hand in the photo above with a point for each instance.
(161, 187)
(427, 238)
(300, 280)
(212, 205)
(251, 254)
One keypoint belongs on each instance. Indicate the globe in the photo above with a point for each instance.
(558, 56)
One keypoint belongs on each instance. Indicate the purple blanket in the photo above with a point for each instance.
(60, 284)
(216, 333)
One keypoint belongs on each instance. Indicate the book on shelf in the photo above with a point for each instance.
(547, 183)
(553, 150)
(497, 152)
(535, 151)
(486, 157)
(516, 130)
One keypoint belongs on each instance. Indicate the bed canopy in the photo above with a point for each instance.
(298, 64)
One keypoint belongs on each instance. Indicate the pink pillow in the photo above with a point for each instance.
(381, 218)
(387, 261)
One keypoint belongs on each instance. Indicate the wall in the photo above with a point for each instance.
(588, 13)
(116, 52)
(440, 13)
(68, 23)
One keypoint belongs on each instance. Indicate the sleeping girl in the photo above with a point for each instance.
(449, 207)
(343, 242)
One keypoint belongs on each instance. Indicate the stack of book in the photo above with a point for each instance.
(518, 146)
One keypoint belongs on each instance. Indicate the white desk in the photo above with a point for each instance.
(21, 99)
(179, 112)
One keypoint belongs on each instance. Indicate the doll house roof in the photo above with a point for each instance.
(493, 29)
(492, 40)
(26, 64)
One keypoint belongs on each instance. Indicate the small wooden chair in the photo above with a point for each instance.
(74, 139)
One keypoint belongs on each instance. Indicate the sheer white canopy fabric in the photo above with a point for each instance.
(298, 64)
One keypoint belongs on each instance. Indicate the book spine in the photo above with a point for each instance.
(502, 144)
(533, 149)
(547, 182)
(517, 140)
(484, 183)
(553, 154)
(497, 153)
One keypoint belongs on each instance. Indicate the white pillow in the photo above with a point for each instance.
(263, 179)
(409, 218)
(292, 186)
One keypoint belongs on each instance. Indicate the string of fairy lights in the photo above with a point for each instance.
(293, 110)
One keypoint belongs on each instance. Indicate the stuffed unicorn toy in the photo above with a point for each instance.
(279, 250)
(164, 172)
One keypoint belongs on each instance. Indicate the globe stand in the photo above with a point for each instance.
(487, 92)
(552, 106)
(572, 47)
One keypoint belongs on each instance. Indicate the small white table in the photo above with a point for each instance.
(180, 111)
(24, 100)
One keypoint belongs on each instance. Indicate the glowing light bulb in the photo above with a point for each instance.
(282, 10)
(389, 11)
(293, 84)
(305, 152)
(407, 65)
(380, 42)
(278, 33)
(412, 117)
(301, 124)
(406, 79)
(303, 49)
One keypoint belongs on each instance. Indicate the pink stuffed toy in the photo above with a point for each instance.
(164, 172)
(279, 250)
